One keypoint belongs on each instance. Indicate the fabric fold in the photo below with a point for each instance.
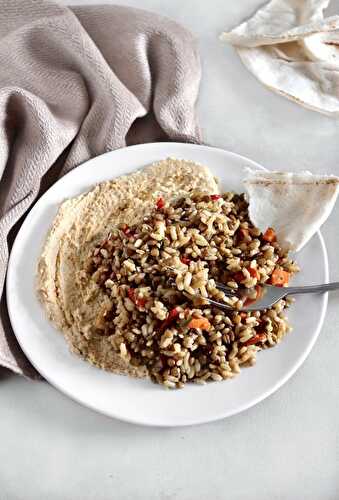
(79, 82)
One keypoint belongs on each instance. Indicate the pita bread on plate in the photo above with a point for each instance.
(291, 48)
(294, 204)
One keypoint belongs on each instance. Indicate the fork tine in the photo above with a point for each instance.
(226, 289)
(220, 305)
(271, 295)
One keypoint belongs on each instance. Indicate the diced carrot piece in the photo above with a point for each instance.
(280, 277)
(243, 315)
(260, 337)
(253, 272)
(269, 235)
(239, 276)
(202, 323)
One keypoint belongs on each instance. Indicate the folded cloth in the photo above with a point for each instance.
(75, 83)
(290, 47)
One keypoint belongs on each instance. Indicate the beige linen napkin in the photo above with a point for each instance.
(75, 83)
(290, 47)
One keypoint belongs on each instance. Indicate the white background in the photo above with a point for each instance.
(285, 448)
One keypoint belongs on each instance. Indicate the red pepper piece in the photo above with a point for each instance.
(215, 197)
(127, 231)
(243, 233)
(260, 337)
(172, 315)
(138, 301)
(160, 203)
(141, 302)
(238, 276)
(253, 272)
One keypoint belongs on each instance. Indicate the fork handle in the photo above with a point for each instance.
(326, 287)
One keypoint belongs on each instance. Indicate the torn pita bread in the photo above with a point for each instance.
(291, 48)
(294, 204)
(323, 47)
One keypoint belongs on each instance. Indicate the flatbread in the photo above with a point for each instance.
(294, 204)
(291, 48)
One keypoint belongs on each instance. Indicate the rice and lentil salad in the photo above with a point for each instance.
(158, 274)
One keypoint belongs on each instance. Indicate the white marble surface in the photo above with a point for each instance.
(285, 448)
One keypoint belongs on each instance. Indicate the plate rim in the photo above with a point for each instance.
(131, 420)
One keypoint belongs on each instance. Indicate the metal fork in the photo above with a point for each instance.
(267, 295)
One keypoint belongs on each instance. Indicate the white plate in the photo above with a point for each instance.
(140, 401)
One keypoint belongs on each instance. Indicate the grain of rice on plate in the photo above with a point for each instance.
(156, 273)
